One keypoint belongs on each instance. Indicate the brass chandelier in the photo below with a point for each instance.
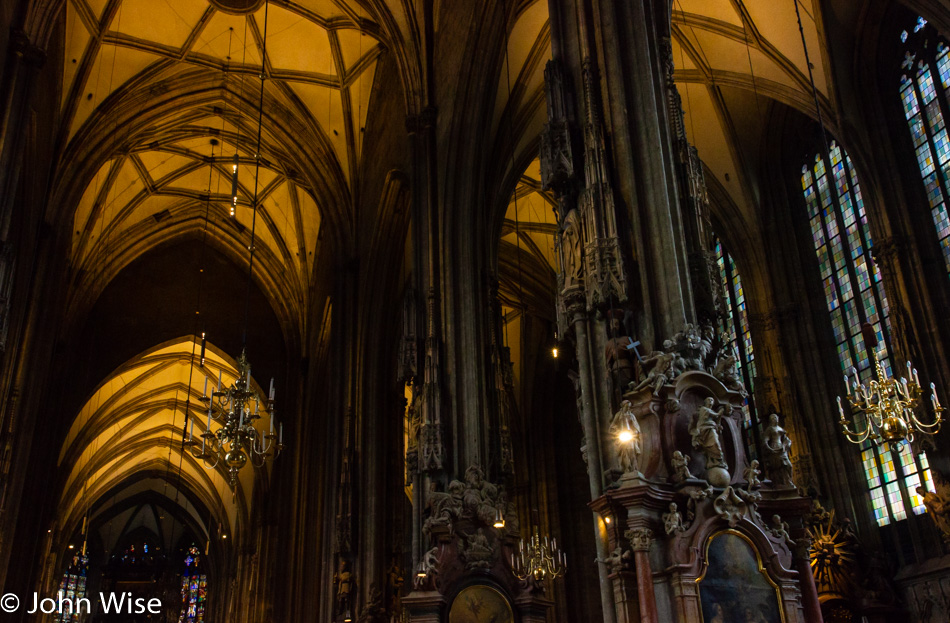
(538, 559)
(888, 405)
(237, 440)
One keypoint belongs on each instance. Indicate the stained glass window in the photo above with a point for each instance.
(854, 294)
(194, 588)
(925, 95)
(735, 328)
(73, 587)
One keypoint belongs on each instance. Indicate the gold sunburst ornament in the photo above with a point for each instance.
(887, 405)
(832, 556)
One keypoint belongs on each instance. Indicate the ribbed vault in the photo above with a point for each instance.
(726, 51)
(129, 432)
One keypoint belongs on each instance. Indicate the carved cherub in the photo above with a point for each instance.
(680, 463)
(779, 529)
(751, 474)
(673, 520)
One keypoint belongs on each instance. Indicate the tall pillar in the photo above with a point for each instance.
(802, 553)
(640, 541)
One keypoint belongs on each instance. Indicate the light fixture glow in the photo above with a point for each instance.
(625, 436)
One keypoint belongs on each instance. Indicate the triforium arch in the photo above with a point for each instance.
(485, 279)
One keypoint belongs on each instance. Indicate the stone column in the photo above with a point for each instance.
(802, 553)
(640, 540)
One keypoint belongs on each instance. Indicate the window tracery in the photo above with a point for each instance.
(854, 293)
(925, 96)
(735, 327)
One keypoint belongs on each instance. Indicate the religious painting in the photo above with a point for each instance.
(480, 604)
(734, 587)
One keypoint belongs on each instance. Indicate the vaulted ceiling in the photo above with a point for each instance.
(129, 432)
(732, 57)
(159, 98)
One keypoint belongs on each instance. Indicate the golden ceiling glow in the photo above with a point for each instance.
(132, 424)
(724, 51)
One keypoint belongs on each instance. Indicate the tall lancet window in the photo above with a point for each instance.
(73, 587)
(855, 295)
(736, 329)
(925, 94)
(194, 588)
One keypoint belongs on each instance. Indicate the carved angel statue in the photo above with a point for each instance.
(705, 428)
(726, 371)
(680, 464)
(625, 430)
(751, 474)
(779, 529)
(673, 520)
(778, 466)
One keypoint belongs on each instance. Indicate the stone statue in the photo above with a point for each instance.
(618, 560)
(705, 428)
(661, 370)
(680, 463)
(751, 474)
(572, 250)
(442, 508)
(778, 467)
(939, 510)
(779, 529)
(728, 374)
(394, 582)
(618, 352)
(628, 452)
(673, 520)
(477, 552)
(428, 569)
(343, 580)
(373, 610)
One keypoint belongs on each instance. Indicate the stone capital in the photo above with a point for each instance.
(640, 539)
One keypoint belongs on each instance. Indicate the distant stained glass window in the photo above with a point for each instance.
(924, 89)
(854, 294)
(194, 588)
(735, 327)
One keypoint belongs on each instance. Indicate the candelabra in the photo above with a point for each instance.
(538, 559)
(237, 440)
(888, 406)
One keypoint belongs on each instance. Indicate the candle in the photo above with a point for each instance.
(270, 395)
(840, 408)
(204, 392)
(272, 425)
(281, 438)
(208, 428)
(916, 378)
(219, 380)
(241, 419)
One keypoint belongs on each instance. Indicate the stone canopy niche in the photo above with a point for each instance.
(694, 526)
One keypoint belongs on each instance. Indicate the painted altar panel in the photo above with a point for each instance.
(734, 587)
